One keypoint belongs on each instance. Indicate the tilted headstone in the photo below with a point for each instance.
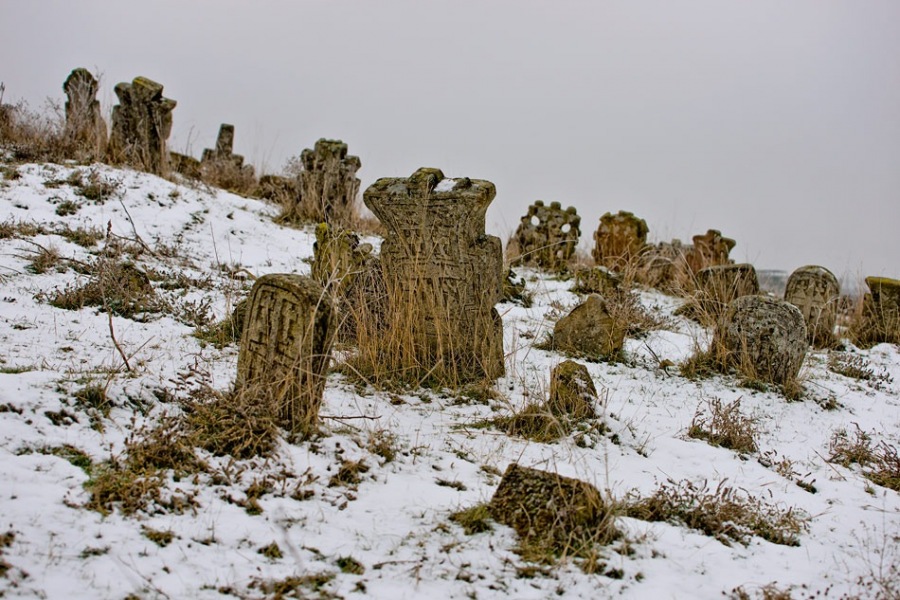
(763, 336)
(328, 185)
(589, 331)
(881, 312)
(224, 166)
(815, 291)
(548, 510)
(141, 124)
(572, 391)
(710, 249)
(597, 280)
(619, 240)
(84, 124)
(547, 236)
(286, 347)
(439, 264)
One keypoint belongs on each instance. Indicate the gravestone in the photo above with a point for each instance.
(597, 280)
(141, 124)
(85, 126)
(572, 391)
(881, 312)
(286, 348)
(443, 274)
(547, 236)
(589, 331)
(664, 266)
(328, 185)
(709, 249)
(222, 166)
(763, 336)
(184, 164)
(550, 511)
(619, 240)
(815, 291)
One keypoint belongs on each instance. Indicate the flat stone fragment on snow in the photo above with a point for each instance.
(572, 391)
(589, 331)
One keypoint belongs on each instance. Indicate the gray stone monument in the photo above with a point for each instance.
(547, 236)
(141, 124)
(85, 126)
(815, 291)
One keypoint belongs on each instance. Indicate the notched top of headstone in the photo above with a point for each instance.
(547, 235)
(141, 124)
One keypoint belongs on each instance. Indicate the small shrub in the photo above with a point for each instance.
(85, 238)
(45, 259)
(272, 551)
(298, 586)
(473, 520)
(880, 463)
(724, 513)
(724, 425)
(349, 473)
(857, 367)
(348, 564)
(117, 287)
(66, 208)
(161, 538)
(384, 444)
(770, 591)
(93, 396)
(536, 423)
(235, 423)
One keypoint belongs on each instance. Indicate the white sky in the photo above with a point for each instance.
(775, 122)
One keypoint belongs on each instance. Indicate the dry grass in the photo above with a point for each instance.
(880, 463)
(241, 424)
(724, 425)
(725, 513)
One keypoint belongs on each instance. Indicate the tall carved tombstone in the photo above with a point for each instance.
(443, 274)
(880, 320)
(328, 185)
(286, 348)
(709, 250)
(547, 236)
(815, 291)
(141, 124)
(222, 167)
(85, 127)
(619, 240)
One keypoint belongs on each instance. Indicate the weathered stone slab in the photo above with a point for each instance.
(328, 185)
(572, 391)
(547, 236)
(141, 124)
(763, 336)
(221, 166)
(286, 347)
(619, 240)
(597, 280)
(551, 511)
(881, 312)
(589, 331)
(184, 164)
(815, 291)
(709, 249)
(438, 261)
(85, 126)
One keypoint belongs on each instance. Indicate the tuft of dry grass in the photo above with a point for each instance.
(724, 425)
(241, 424)
(880, 463)
(725, 513)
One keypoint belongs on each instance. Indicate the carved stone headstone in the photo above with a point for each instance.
(710, 249)
(443, 274)
(547, 235)
(328, 185)
(619, 240)
(815, 291)
(763, 336)
(223, 167)
(184, 164)
(589, 330)
(881, 312)
(84, 124)
(597, 280)
(551, 511)
(286, 347)
(572, 391)
(141, 124)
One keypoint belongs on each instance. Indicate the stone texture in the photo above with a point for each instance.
(572, 391)
(551, 511)
(514, 289)
(619, 240)
(141, 124)
(184, 164)
(717, 287)
(85, 126)
(279, 189)
(437, 258)
(222, 167)
(815, 291)
(597, 280)
(881, 312)
(710, 249)
(764, 336)
(286, 347)
(547, 236)
(328, 185)
(589, 331)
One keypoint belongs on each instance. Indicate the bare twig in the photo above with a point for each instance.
(112, 334)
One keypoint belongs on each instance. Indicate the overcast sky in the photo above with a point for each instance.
(777, 122)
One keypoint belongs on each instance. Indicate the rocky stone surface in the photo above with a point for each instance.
(597, 280)
(815, 291)
(572, 391)
(880, 320)
(141, 124)
(619, 240)
(85, 127)
(589, 331)
(547, 236)
(710, 249)
(328, 185)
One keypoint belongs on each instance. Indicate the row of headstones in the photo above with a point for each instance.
(324, 190)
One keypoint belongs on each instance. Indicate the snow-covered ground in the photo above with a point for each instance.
(395, 521)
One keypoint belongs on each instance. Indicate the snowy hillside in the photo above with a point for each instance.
(364, 511)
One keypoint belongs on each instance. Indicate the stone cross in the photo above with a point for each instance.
(221, 166)
(439, 263)
(710, 249)
(328, 185)
(84, 124)
(815, 291)
(141, 124)
(619, 239)
(547, 235)
(286, 348)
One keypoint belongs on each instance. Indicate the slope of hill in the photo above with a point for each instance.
(365, 509)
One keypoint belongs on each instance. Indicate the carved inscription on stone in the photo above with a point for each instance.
(141, 124)
(619, 240)
(84, 124)
(437, 259)
(815, 291)
(286, 346)
(328, 185)
(547, 235)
